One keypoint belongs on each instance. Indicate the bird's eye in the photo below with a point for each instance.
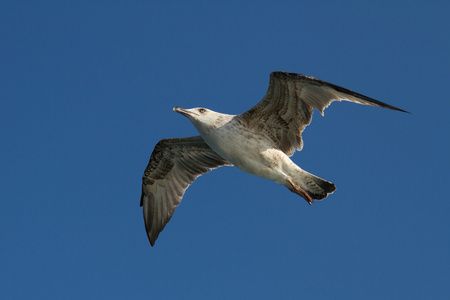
(202, 110)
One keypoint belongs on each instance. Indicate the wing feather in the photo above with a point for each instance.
(288, 105)
(173, 166)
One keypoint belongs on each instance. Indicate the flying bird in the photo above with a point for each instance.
(258, 141)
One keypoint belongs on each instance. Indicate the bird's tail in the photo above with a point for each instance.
(316, 188)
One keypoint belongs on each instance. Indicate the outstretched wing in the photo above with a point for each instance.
(287, 107)
(174, 165)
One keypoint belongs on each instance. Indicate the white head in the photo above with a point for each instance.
(204, 119)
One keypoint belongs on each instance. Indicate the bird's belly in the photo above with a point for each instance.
(250, 155)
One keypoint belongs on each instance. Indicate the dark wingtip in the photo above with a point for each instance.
(405, 111)
(396, 108)
(384, 105)
(151, 239)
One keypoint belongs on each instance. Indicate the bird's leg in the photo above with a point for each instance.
(296, 189)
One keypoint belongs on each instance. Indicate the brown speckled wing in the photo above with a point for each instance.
(287, 107)
(174, 165)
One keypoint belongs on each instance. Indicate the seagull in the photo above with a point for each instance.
(258, 141)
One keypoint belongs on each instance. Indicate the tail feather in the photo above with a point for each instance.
(317, 188)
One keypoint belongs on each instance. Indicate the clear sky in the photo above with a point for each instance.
(87, 90)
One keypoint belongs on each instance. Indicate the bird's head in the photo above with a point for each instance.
(204, 119)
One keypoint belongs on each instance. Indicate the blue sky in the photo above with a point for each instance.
(87, 90)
